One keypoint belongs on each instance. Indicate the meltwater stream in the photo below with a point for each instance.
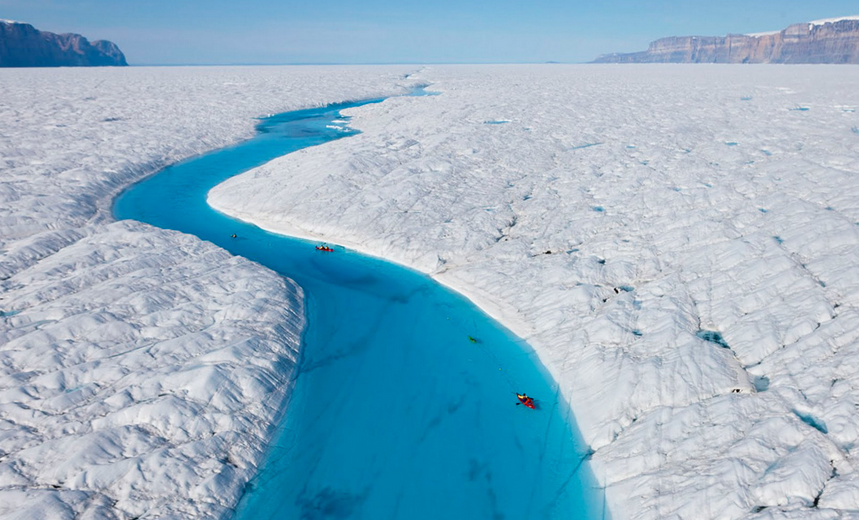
(395, 412)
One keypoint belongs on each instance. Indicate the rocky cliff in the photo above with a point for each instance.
(22, 45)
(823, 41)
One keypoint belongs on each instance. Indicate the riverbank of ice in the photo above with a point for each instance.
(141, 371)
(679, 244)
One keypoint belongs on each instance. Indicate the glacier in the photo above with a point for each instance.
(142, 371)
(679, 244)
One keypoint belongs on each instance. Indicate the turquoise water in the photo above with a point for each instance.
(395, 412)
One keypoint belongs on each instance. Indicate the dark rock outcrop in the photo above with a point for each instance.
(22, 45)
(835, 41)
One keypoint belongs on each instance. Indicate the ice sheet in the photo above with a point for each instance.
(832, 20)
(679, 243)
(141, 371)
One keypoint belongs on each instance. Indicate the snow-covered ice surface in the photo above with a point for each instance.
(832, 20)
(141, 371)
(680, 244)
(765, 33)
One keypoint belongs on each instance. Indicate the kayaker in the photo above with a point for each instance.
(527, 401)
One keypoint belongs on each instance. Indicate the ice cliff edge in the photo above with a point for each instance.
(22, 45)
(824, 41)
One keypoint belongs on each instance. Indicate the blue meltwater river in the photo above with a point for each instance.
(395, 412)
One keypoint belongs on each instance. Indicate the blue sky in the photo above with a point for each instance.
(397, 31)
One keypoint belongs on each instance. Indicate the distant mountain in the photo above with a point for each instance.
(22, 45)
(834, 40)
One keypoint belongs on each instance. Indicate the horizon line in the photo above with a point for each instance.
(316, 63)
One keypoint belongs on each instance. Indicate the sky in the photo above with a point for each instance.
(198, 32)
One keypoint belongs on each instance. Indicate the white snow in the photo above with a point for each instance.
(832, 20)
(811, 25)
(731, 213)
(765, 33)
(141, 371)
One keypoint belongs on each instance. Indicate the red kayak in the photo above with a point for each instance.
(527, 401)
(323, 247)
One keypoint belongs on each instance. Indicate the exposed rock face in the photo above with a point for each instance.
(827, 41)
(22, 45)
